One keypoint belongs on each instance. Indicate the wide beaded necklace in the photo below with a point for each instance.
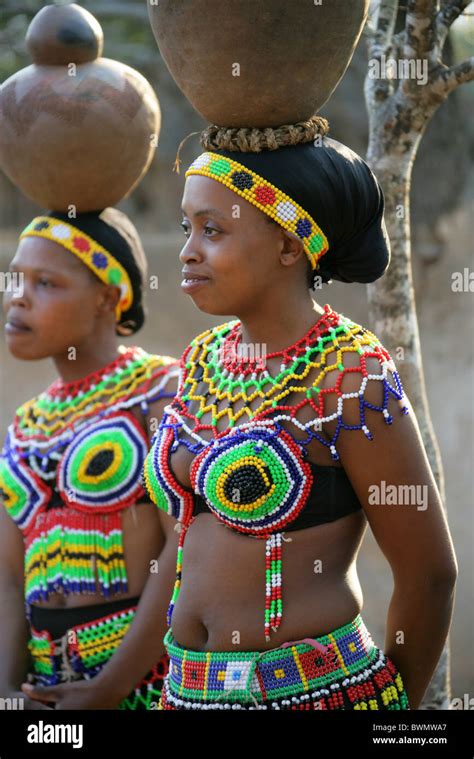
(58, 413)
(253, 475)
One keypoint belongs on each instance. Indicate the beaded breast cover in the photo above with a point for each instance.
(71, 463)
(249, 430)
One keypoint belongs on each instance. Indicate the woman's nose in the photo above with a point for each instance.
(16, 292)
(190, 253)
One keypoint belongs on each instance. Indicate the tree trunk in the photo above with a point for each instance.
(399, 110)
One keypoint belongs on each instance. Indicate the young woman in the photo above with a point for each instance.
(78, 535)
(287, 419)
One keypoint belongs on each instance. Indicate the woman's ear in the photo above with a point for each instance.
(292, 249)
(108, 299)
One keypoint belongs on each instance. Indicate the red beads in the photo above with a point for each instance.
(234, 360)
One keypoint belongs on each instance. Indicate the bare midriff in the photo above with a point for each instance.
(222, 597)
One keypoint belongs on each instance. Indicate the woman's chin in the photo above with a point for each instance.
(207, 306)
(25, 352)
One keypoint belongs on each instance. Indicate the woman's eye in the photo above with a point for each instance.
(207, 230)
(45, 282)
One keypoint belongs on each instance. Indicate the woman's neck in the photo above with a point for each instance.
(78, 363)
(281, 327)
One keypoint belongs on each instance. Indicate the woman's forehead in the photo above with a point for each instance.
(203, 195)
(37, 252)
(200, 192)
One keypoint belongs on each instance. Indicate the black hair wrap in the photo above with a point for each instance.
(115, 232)
(341, 193)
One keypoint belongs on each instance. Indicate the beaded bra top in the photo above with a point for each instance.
(71, 462)
(252, 473)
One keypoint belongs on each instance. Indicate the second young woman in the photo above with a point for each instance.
(78, 535)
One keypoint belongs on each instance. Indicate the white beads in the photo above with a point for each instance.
(286, 211)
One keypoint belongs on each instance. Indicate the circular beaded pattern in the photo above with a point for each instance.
(73, 539)
(160, 483)
(24, 495)
(255, 482)
(265, 196)
(101, 469)
(93, 255)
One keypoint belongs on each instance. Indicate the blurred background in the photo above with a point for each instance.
(442, 233)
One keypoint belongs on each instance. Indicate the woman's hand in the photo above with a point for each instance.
(29, 704)
(79, 694)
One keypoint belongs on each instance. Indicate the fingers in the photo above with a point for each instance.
(29, 704)
(40, 693)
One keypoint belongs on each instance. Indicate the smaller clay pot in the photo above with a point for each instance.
(76, 129)
(61, 34)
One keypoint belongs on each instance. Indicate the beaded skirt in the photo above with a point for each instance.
(341, 670)
(82, 651)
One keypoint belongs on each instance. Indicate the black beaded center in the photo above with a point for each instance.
(246, 484)
(99, 463)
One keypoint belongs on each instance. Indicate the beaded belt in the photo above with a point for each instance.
(341, 670)
(82, 652)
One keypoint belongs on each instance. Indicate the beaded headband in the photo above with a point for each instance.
(267, 198)
(91, 253)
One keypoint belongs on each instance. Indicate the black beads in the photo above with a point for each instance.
(242, 180)
(100, 463)
(246, 484)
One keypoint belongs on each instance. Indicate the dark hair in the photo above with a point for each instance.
(341, 193)
(116, 233)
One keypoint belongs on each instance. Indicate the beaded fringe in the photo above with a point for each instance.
(70, 552)
(273, 583)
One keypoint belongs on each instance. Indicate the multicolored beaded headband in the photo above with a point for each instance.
(91, 253)
(266, 197)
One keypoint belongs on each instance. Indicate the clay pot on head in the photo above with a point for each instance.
(76, 129)
(257, 64)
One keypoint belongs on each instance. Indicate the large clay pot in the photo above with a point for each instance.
(75, 129)
(291, 55)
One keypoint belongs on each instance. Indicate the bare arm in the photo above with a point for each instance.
(13, 623)
(393, 480)
(14, 633)
(143, 644)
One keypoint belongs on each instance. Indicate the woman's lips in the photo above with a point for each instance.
(190, 284)
(16, 327)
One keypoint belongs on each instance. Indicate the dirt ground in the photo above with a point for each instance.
(446, 324)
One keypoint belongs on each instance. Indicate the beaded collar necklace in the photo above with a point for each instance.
(61, 389)
(58, 413)
(235, 357)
